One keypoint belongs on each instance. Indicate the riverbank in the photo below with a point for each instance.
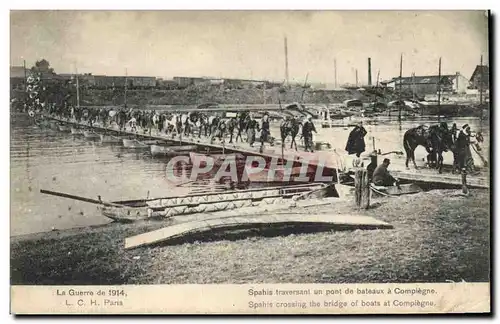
(437, 236)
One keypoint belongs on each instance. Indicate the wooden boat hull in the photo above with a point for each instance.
(64, 128)
(91, 135)
(405, 189)
(110, 139)
(204, 203)
(75, 131)
(134, 144)
(217, 158)
(184, 148)
(153, 142)
(320, 222)
(157, 150)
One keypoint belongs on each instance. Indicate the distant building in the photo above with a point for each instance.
(17, 77)
(481, 72)
(427, 85)
(17, 72)
(187, 81)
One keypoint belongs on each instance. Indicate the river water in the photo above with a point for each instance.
(43, 158)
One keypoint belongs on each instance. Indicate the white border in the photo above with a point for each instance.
(200, 4)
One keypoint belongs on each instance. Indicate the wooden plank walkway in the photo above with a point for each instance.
(452, 179)
(234, 222)
(243, 148)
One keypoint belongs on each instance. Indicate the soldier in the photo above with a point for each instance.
(307, 129)
(264, 131)
(252, 126)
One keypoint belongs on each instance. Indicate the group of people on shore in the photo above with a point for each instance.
(460, 143)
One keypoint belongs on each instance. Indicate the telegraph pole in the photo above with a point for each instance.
(25, 77)
(439, 90)
(481, 88)
(286, 61)
(481, 82)
(77, 88)
(369, 71)
(335, 71)
(126, 81)
(400, 84)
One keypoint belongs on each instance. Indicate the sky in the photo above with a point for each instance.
(239, 44)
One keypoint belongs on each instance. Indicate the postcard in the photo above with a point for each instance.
(249, 162)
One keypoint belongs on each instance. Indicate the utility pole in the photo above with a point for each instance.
(369, 71)
(304, 88)
(413, 84)
(77, 88)
(286, 61)
(481, 89)
(481, 82)
(25, 78)
(126, 81)
(335, 71)
(439, 90)
(400, 84)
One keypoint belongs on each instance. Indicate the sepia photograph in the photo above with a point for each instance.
(177, 147)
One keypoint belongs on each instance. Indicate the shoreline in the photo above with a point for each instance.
(433, 240)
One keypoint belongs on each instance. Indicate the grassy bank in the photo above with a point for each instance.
(437, 236)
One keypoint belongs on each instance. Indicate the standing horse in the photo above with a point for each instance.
(186, 123)
(412, 139)
(436, 140)
(203, 124)
(289, 127)
(242, 121)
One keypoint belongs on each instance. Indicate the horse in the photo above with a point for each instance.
(436, 140)
(289, 127)
(242, 121)
(213, 124)
(186, 123)
(170, 123)
(219, 131)
(231, 124)
(203, 125)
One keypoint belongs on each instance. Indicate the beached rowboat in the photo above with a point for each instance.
(403, 189)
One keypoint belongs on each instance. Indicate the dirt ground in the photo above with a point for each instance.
(437, 236)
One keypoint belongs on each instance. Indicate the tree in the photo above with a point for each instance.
(42, 67)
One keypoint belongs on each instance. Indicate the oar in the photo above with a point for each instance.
(89, 200)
